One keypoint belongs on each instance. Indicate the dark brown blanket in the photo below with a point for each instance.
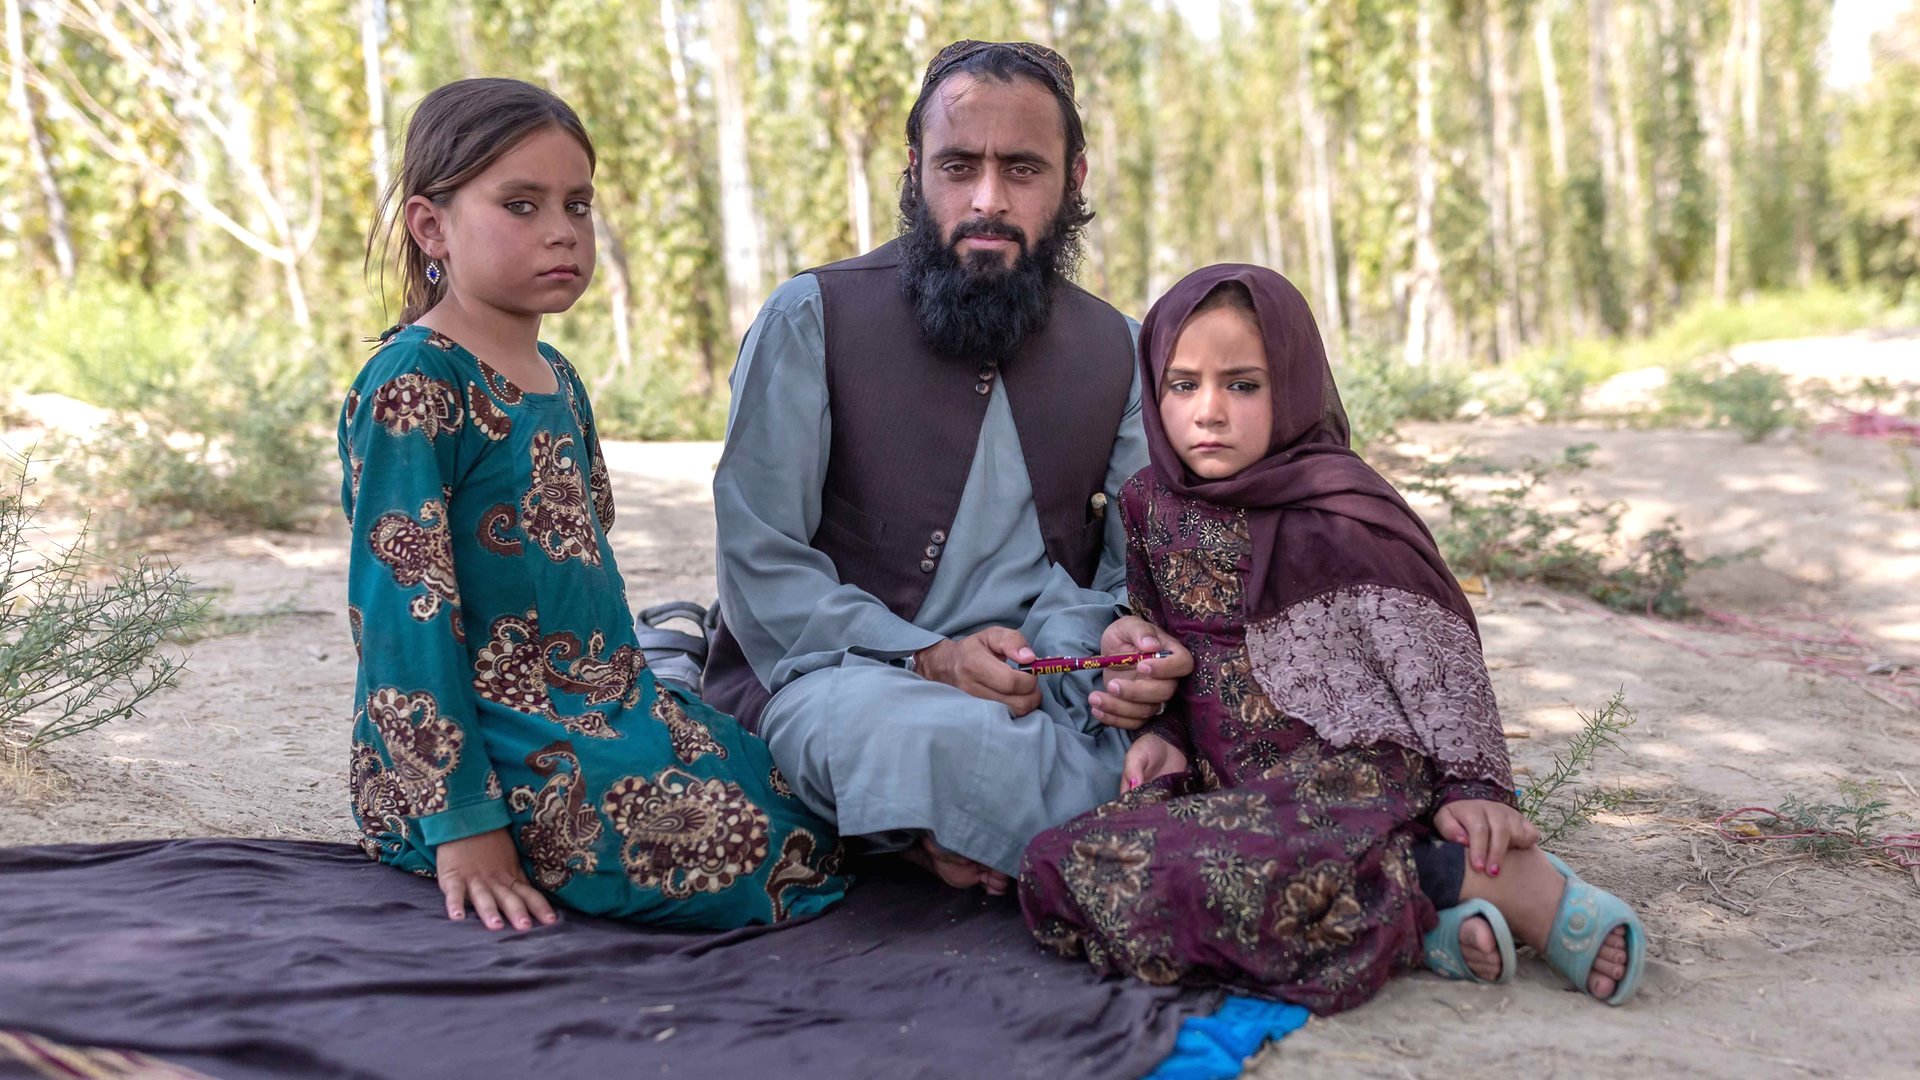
(244, 958)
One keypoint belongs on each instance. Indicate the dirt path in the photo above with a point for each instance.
(1781, 969)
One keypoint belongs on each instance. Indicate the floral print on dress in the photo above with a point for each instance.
(489, 506)
(414, 402)
(684, 835)
(554, 512)
(419, 552)
(560, 839)
(1279, 863)
(423, 746)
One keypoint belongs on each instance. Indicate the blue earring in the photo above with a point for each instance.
(433, 272)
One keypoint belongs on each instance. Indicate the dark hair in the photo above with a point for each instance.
(1003, 61)
(1228, 294)
(456, 132)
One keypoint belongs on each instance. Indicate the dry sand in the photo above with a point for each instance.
(1777, 969)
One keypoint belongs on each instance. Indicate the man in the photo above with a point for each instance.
(923, 445)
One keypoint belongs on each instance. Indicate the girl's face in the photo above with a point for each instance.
(1214, 401)
(518, 237)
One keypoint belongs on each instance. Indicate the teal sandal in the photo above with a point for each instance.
(1586, 916)
(1443, 942)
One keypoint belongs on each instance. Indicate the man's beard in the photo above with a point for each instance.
(980, 309)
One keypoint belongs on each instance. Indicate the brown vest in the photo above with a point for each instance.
(905, 425)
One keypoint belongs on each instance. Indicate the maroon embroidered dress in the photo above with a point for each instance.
(1338, 698)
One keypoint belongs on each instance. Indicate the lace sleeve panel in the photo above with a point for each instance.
(1373, 664)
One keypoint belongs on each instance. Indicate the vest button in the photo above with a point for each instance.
(933, 551)
(939, 536)
(981, 387)
(926, 566)
(986, 374)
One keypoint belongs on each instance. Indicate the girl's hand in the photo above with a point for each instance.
(1134, 697)
(1149, 758)
(1487, 828)
(484, 871)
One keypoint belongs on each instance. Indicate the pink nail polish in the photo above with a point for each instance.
(1494, 870)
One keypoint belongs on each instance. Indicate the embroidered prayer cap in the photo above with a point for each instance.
(1059, 73)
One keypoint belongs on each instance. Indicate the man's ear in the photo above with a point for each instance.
(426, 222)
(1080, 174)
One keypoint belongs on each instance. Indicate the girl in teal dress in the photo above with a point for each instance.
(508, 737)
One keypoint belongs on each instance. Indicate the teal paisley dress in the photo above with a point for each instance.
(499, 681)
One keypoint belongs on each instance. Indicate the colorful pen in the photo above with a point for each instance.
(1054, 665)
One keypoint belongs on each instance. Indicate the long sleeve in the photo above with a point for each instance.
(1144, 596)
(401, 439)
(784, 601)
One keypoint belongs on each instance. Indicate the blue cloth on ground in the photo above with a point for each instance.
(1216, 1047)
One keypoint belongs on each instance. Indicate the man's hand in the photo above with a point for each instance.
(484, 871)
(1487, 828)
(1150, 758)
(978, 664)
(1134, 697)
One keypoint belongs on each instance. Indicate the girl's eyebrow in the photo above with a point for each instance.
(1232, 372)
(515, 187)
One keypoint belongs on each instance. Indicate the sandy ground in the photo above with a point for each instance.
(1759, 968)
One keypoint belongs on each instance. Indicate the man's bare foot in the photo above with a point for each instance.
(957, 871)
(1528, 893)
(1479, 949)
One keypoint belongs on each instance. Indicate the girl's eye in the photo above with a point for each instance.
(579, 208)
(1243, 386)
(520, 206)
(1181, 386)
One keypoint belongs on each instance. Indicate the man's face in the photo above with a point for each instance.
(992, 167)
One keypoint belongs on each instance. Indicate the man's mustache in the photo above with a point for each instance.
(987, 227)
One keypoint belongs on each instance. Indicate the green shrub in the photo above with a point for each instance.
(1507, 531)
(1753, 400)
(80, 639)
(1380, 391)
(1552, 802)
(240, 446)
(660, 407)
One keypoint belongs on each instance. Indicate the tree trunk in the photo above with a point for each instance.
(740, 230)
(21, 101)
(1324, 260)
(373, 35)
(1498, 185)
(859, 189)
(1426, 257)
(613, 259)
(1632, 191)
(1550, 91)
(1718, 119)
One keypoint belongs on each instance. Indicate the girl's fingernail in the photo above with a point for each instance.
(1461, 839)
(1494, 870)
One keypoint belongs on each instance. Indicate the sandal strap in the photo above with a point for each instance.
(1442, 943)
(1587, 914)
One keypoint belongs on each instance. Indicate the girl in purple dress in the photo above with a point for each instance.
(1328, 800)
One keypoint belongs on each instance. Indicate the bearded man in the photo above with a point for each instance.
(923, 445)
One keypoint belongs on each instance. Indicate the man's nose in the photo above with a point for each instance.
(989, 194)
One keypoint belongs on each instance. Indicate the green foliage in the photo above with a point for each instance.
(239, 446)
(1501, 524)
(1558, 803)
(1839, 830)
(1379, 392)
(80, 639)
(1753, 400)
(658, 407)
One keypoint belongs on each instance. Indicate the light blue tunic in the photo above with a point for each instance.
(864, 741)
